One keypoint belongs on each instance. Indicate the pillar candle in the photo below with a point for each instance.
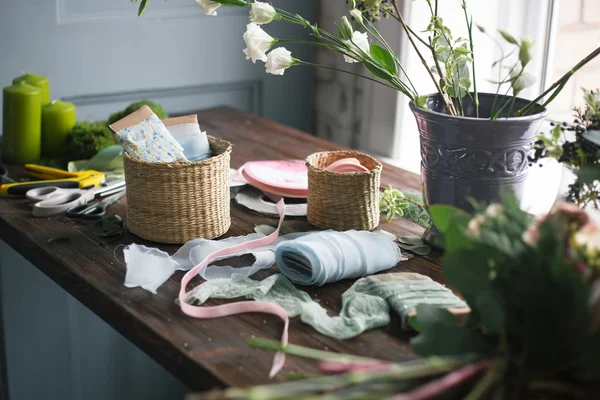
(58, 118)
(21, 123)
(38, 81)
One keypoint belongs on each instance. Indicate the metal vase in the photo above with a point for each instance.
(468, 157)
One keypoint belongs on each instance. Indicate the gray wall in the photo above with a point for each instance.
(100, 56)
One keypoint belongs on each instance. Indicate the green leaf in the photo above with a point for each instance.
(593, 136)
(461, 51)
(412, 240)
(467, 271)
(481, 28)
(264, 229)
(442, 216)
(58, 239)
(442, 49)
(441, 336)
(421, 101)
(521, 81)
(490, 311)
(143, 6)
(384, 58)
(508, 37)
(421, 250)
(442, 53)
(525, 51)
(237, 3)
(460, 72)
(589, 173)
(378, 71)
(341, 32)
(555, 134)
(464, 83)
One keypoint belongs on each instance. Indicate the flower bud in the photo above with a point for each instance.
(347, 28)
(357, 16)
(494, 210)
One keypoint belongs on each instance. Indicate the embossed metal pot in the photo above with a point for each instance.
(468, 157)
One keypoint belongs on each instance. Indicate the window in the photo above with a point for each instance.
(390, 128)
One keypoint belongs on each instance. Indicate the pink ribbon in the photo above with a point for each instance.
(242, 306)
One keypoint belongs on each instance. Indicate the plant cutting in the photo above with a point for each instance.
(577, 146)
(533, 332)
(472, 144)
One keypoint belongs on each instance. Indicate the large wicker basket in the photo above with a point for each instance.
(179, 201)
(343, 201)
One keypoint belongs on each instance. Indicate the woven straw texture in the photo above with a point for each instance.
(179, 201)
(343, 201)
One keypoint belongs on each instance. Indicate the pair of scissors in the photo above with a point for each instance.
(94, 211)
(55, 200)
(54, 177)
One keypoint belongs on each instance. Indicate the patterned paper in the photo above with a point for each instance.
(150, 141)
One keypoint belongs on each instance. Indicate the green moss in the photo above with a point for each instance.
(52, 162)
(157, 108)
(88, 138)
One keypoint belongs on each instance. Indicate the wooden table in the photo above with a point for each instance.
(203, 353)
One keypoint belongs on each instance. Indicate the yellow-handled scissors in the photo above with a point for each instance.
(54, 177)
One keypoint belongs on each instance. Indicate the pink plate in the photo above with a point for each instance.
(273, 190)
(287, 174)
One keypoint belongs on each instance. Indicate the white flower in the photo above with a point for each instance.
(494, 210)
(209, 7)
(279, 60)
(357, 16)
(360, 41)
(262, 13)
(474, 226)
(258, 42)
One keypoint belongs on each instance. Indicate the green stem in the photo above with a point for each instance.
(305, 352)
(300, 62)
(408, 34)
(374, 32)
(310, 43)
(495, 114)
(332, 383)
(558, 85)
(485, 384)
(470, 26)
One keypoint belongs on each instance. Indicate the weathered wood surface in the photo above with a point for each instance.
(202, 353)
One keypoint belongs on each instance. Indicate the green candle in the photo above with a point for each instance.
(58, 118)
(38, 81)
(21, 124)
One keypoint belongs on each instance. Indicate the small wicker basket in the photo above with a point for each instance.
(343, 201)
(179, 201)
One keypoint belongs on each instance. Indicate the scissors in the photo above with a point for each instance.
(94, 211)
(54, 177)
(54, 200)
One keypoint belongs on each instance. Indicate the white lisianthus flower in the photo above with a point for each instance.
(474, 226)
(360, 41)
(279, 60)
(258, 42)
(209, 7)
(494, 210)
(262, 13)
(357, 16)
